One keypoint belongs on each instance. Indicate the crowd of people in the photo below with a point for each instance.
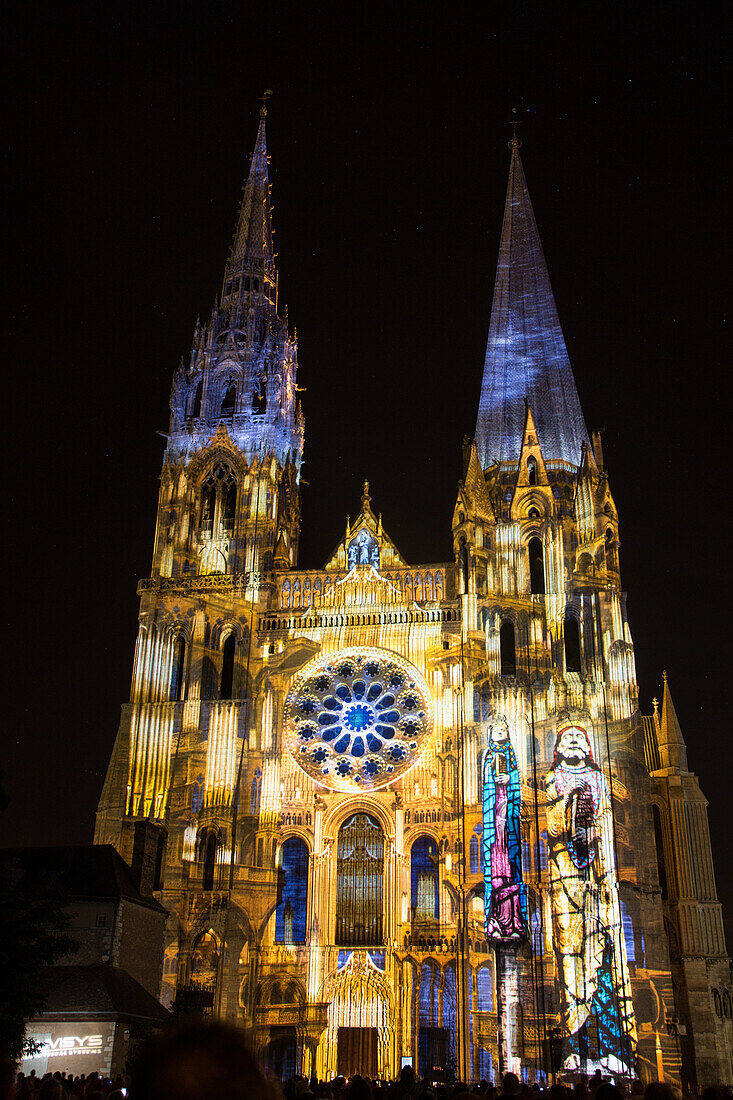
(213, 1062)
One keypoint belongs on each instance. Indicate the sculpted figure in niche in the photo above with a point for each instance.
(586, 914)
(504, 893)
(363, 550)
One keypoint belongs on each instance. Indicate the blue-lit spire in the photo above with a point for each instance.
(252, 257)
(526, 357)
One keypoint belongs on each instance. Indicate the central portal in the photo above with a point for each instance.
(357, 1051)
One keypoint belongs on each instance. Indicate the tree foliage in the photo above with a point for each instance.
(32, 936)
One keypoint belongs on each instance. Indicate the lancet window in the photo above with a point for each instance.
(507, 649)
(218, 500)
(532, 470)
(292, 908)
(572, 645)
(474, 849)
(197, 794)
(424, 879)
(178, 669)
(197, 400)
(255, 792)
(228, 654)
(359, 882)
(485, 989)
(229, 400)
(205, 961)
(536, 567)
(259, 396)
(208, 845)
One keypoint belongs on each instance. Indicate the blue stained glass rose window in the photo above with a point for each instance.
(357, 719)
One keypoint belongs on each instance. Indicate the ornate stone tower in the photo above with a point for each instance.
(396, 812)
(693, 919)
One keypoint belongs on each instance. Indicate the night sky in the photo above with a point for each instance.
(132, 129)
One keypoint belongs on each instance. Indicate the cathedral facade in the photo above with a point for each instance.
(406, 812)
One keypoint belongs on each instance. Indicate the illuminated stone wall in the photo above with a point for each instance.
(323, 753)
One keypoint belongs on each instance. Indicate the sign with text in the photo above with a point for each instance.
(81, 1046)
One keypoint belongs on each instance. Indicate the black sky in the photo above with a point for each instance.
(132, 128)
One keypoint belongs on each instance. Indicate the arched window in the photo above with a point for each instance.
(659, 840)
(543, 850)
(208, 845)
(205, 961)
(218, 499)
(424, 879)
(526, 856)
(255, 792)
(246, 282)
(292, 907)
(474, 850)
(208, 679)
(229, 401)
(229, 504)
(160, 860)
(256, 283)
(178, 669)
(536, 567)
(507, 649)
(226, 680)
(197, 794)
(532, 470)
(485, 989)
(450, 1002)
(628, 927)
(359, 882)
(197, 399)
(259, 396)
(536, 928)
(611, 556)
(571, 634)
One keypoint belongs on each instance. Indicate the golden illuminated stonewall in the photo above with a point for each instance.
(406, 812)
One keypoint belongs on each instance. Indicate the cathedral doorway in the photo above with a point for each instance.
(357, 1051)
(281, 1053)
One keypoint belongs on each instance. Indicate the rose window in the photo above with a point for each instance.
(357, 719)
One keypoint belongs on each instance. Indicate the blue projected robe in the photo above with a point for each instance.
(505, 896)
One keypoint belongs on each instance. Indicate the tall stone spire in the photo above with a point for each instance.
(526, 357)
(243, 367)
(252, 255)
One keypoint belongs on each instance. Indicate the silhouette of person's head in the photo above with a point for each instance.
(200, 1062)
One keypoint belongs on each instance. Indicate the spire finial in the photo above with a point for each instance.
(365, 498)
(664, 675)
(514, 142)
(263, 99)
(655, 704)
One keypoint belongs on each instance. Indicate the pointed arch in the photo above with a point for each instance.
(228, 655)
(425, 899)
(178, 669)
(536, 566)
(359, 882)
(229, 400)
(507, 648)
(292, 906)
(571, 639)
(196, 411)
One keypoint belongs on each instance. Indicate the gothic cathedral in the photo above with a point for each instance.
(410, 813)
